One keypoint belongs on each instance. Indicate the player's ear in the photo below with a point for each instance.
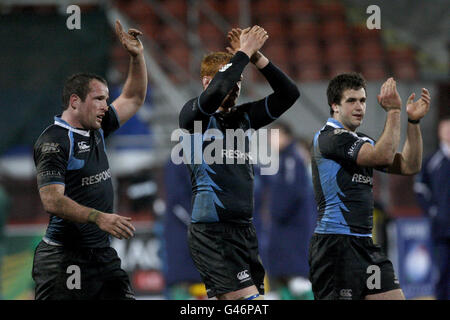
(205, 81)
(335, 108)
(74, 101)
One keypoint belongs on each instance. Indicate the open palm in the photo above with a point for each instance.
(129, 40)
(418, 109)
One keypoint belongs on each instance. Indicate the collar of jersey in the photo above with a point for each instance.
(334, 123)
(60, 122)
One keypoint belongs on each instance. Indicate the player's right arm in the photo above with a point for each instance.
(56, 203)
(383, 152)
(51, 153)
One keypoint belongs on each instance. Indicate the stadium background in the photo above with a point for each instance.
(312, 40)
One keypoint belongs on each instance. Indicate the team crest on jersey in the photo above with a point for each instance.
(339, 130)
(50, 147)
(83, 147)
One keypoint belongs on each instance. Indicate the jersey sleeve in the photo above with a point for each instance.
(341, 144)
(110, 122)
(285, 93)
(190, 113)
(51, 154)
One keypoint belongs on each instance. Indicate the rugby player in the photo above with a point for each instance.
(74, 260)
(344, 262)
(222, 238)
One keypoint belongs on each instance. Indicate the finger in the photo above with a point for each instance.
(116, 234)
(229, 50)
(411, 98)
(426, 100)
(125, 232)
(129, 225)
(119, 29)
(390, 86)
(126, 222)
(134, 32)
(261, 32)
(236, 33)
(425, 93)
(383, 90)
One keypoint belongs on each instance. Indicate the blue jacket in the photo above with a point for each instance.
(261, 211)
(178, 264)
(432, 187)
(293, 214)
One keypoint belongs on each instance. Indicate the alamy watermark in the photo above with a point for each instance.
(74, 280)
(236, 146)
(374, 280)
(74, 20)
(374, 20)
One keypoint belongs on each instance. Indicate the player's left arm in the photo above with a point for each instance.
(409, 161)
(135, 87)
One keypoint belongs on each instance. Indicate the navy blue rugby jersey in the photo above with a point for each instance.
(224, 191)
(77, 159)
(221, 191)
(343, 190)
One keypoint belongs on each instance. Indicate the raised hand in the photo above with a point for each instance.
(418, 109)
(129, 40)
(252, 39)
(233, 37)
(389, 98)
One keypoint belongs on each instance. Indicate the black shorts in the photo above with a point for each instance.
(62, 273)
(226, 256)
(346, 267)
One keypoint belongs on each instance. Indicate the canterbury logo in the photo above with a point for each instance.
(243, 275)
(347, 293)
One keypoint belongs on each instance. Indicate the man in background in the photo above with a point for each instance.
(181, 276)
(432, 187)
(292, 212)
